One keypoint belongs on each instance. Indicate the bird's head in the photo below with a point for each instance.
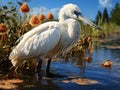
(73, 11)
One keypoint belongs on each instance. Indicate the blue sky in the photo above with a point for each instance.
(89, 8)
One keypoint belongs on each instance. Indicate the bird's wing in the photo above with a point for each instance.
(38, 42)
(35, 30)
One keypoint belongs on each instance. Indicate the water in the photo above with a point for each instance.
(108, 79)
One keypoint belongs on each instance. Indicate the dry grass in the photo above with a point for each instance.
(10, 83)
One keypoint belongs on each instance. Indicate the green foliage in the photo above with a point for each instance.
(102, 18)
(20, 2)
(98, 18)
(16, 24)
(9, 17)
(109, 24)
(105, 16)
(115, 14)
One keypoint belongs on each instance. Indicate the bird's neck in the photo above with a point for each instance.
(73, 28)
(62, 16)
(62, 19)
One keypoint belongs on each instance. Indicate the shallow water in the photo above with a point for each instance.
(108, 79)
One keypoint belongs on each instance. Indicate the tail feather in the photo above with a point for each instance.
(13, 54)
(16, 62)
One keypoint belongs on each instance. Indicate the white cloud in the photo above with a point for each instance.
(45, 11)
(105, 3)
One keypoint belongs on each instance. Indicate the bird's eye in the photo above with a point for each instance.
(77, 13)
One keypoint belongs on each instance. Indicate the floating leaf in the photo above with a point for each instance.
(66, 81)
(107, 64)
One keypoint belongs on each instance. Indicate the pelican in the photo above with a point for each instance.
(50, 38)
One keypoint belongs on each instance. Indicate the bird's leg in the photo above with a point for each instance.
(14, 72)
(14, 69)
(48, 67)
(39, 68)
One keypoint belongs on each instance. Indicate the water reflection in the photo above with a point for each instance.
(101, 53)
(43, 84)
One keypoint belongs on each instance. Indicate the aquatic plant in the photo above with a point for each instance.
(3, 32)
(12, 26)
(41, 17)
(50, 16)
(24, 8)
(34, 20)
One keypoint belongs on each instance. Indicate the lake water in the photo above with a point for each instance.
(108, 79)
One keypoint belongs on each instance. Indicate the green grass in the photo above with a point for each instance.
(108, 29)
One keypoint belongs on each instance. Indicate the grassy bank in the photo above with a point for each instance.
(108, 30)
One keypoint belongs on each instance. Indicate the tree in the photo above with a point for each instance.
(102, 18)
(115, 14)
(98, 18)
(105, 16)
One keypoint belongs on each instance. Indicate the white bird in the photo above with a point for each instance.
(50, 38)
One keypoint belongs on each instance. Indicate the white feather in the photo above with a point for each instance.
(37, 42)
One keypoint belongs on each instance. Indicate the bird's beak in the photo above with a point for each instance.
(89, 22)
